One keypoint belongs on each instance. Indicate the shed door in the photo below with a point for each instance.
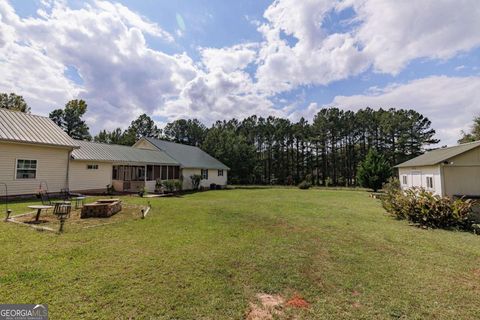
(416, 178)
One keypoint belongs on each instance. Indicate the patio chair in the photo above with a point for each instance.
(62, 209)
(46, 201)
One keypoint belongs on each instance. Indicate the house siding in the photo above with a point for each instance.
(417, 177)
(462, 174)
(52, 166)
(83, 179)
(144, 144)
(212, 177)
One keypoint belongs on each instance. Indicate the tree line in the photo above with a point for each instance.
(274, 150)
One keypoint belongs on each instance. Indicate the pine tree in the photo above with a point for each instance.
(373, 171)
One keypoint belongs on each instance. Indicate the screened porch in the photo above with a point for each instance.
(132, 178)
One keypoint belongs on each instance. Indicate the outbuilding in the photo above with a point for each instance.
(452, 171)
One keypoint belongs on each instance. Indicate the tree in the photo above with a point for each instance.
(191, 132)
(13, 102)
(143, 126)
(474, 133)
(111, 137)
(373, 171)
(70, 119)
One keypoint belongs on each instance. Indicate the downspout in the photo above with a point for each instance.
(68, 170)
(442, 179)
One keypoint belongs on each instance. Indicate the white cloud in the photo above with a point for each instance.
(385, 35)
(230, 58)
(449, 102)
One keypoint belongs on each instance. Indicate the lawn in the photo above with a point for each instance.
(207, 255)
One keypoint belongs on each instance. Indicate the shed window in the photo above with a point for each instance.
(26, 169)
(404, 180)
(220, 173)
(430, 182)
(92, 166)
(204, 174)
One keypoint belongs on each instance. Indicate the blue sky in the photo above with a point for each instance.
(220, 59)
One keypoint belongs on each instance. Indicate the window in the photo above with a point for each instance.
(430, 182)
(26, 169)
(204, 174)
(92, 166)
(404, 180)
(220, 173)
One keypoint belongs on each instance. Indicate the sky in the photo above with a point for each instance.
(217, 59)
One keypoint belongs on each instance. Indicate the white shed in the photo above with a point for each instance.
(452, 171)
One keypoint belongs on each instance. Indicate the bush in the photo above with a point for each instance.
(426, 209)
(178, 185)
(196, 179)
(172, 185)
(304, 185)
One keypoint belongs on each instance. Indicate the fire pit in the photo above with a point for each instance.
(102, 208)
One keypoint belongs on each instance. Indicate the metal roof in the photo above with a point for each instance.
(28, 128)
(188, 156)
(93, 151)
(439, 155)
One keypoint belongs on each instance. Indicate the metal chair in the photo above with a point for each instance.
(62, 210)
(45, 199)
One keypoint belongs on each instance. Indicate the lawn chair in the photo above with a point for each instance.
(62, 209)
(46, 201)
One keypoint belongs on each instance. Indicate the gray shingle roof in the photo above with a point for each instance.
(122, 154)
(188, 156)
(439, 155)
(28, 128)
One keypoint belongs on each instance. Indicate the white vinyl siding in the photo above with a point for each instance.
(83, 179)
(51, 167)
(416, 177)
(213, 178)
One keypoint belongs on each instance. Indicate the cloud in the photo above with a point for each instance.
(449, 102)
(383, 35)
(229, 59)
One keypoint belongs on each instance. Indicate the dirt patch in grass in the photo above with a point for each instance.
(50, 220)
(297, 302)
(266, 307)
(269, 306)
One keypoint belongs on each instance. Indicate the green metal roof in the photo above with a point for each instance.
(22, 127)
(93, 151)
(188, 156)
(439, 155)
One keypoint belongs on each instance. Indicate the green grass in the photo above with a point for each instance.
(206, 256)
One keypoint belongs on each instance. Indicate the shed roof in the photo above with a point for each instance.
(439, 155)
(122, 154)
(28, 128)
(188, 156)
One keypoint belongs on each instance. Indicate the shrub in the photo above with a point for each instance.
(426, 209)
(169, 185)
(178, 185)
(195, 178)
(304, 185)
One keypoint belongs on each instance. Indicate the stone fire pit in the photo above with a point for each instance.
(102, 208)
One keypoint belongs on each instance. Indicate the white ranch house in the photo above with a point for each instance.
(36, 154)
(452, 171)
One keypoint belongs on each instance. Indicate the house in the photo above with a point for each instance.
(452, 171)
(94, 165)
(193, 161)
(34, 153)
